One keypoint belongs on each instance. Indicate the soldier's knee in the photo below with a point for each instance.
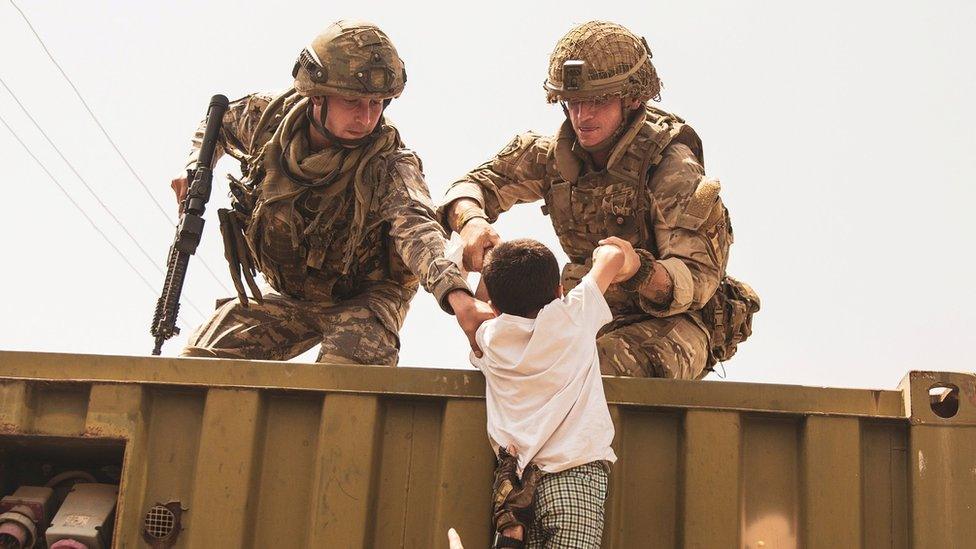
(334, 358)
(198, 352)
(668, 348)
(621, 357)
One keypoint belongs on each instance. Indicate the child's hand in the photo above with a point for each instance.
(631, 259)
(454, 539)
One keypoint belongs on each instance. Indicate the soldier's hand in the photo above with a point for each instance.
(631, 259)
(470, 313)
(479, 237)
(180, 185)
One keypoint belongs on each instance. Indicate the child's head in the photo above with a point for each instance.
(522, 277)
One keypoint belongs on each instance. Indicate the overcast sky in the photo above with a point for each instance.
(843, 134)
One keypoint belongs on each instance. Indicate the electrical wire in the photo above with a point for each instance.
(108, 137)
(80, 178)
(91, 113)
(81, 210)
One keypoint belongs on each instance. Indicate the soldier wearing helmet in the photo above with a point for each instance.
(622, 167)
(332, 210)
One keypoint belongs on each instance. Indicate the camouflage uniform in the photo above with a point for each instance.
(342, 235)
(653, 193)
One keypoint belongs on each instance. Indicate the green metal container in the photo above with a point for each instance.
(226, 453)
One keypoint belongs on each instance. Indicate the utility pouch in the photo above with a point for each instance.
(243, 195)
(728, 316)
(237, 254)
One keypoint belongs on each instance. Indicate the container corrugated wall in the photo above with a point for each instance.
(267, 454)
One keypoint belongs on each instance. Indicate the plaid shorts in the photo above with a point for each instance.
(569, 508)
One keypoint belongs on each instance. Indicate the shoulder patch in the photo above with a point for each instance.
(408, 169)
(700, 204)
(513, 146)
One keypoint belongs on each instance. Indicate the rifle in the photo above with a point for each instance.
(190, 228)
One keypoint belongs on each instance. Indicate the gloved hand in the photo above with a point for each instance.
(512, 498)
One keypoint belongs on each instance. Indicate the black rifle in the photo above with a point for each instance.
(190, 229)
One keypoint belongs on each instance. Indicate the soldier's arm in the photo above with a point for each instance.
(515, 175)
(419, 239)
(691, 228)
(406, 205)
(237, 129)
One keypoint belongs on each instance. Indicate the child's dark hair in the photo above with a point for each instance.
(522, 277)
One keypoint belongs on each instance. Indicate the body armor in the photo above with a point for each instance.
(587, 207)
(298, 256)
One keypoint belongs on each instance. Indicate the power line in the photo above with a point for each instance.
(91, 191)
(64, 191)
(111, 141)
(92, 113)
(80, 178)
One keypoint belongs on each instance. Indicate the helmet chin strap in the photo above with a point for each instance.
(316, 123)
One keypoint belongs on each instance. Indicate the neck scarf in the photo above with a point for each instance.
(293, 169)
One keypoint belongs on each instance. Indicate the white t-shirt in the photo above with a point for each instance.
(543, 385)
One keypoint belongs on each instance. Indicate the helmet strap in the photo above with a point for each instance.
(316, 123)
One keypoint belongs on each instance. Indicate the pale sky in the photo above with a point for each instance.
(843, 134)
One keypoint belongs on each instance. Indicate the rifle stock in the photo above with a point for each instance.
(190, 229)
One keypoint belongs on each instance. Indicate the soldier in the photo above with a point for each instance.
(332, 210)
(621, 167)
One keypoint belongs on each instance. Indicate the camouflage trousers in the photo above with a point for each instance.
(673, 347)
(282, 328)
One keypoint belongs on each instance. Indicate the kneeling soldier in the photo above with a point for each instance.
(621, 167)
(332, 210)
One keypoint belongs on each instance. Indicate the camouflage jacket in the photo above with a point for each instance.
(402, 241)
(653, 193)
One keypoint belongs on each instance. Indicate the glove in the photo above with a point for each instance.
(512, 498)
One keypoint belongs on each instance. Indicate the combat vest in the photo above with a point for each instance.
(616, 201)
(298, 237)
(587, 207)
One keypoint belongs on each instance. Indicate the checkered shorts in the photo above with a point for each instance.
(569, 508)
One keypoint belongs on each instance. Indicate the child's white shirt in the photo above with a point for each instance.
(544, 392)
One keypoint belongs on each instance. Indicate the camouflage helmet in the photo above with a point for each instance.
(352, 59)
(599, 59)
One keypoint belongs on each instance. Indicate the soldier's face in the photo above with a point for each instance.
(595, 121)
(351, 117)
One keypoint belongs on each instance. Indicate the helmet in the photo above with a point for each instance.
(353, 59)
(599, 59)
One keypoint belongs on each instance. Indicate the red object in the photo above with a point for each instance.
(68, 544)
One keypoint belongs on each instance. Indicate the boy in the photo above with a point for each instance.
(545, 396)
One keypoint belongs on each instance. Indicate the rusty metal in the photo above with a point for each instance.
(305, 455)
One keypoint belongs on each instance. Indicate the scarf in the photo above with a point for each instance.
(293, 170)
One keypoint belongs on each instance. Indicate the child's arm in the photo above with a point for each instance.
(613, 261)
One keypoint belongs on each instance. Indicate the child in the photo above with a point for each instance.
(545, 396)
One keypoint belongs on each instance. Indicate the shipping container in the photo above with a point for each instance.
(227, 453)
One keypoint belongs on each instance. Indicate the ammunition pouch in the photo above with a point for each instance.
(728, 316)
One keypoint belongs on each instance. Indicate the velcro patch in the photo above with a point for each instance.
(701, 202)
(414, 182)
(514, 145)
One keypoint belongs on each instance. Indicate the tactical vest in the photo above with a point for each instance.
(305, 262)
(587, 207)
